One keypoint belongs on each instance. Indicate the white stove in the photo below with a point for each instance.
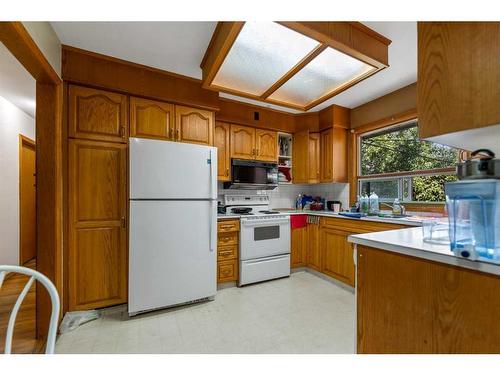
(264, 238)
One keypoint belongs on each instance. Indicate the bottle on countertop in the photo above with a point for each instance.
(364, 203)
(396, 208)
(373, 203)
(298, 202)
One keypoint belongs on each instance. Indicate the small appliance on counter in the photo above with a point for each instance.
(473, 205)
(335, 206)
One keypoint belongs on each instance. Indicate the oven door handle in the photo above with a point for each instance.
(263, 223)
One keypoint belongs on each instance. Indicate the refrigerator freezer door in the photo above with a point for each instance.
(171, 259)
(172, 170)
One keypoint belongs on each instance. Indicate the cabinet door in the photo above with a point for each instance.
(151, 119)
(336, 255)
(97, 114)
(221, 141)
(242, 142)
(194, 125)
(298, 247)
(313, 253)
(266, 145)
(313, 158)
(300, 157)
(326, 156)
(97, 227)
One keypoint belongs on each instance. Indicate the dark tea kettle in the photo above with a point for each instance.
(481, 165)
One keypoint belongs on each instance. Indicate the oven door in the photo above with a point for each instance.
(264, 237)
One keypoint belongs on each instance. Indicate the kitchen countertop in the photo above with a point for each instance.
(409, 241)
(403, 221)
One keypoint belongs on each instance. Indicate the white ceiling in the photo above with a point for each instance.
(179, 47)
(16, 84)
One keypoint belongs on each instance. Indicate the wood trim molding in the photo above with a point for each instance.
(386, 121)
(23, 140)
(19, 42)
(104, 72)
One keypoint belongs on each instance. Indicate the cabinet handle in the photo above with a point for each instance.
(123, 222)
(177, 135)
(122, 131)
(171, 133)
(225, 253)
(227, 172)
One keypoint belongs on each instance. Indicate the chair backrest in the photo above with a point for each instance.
(54, 297)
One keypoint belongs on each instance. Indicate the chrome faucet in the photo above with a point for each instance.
(403, 209)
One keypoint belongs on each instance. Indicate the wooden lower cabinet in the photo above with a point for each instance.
(313, 250)
(227, 250)
(97, 254)
(411, 305)
(337, 254)
(298, 250)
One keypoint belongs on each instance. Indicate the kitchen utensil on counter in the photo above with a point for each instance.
(481, 165)
(436, 231)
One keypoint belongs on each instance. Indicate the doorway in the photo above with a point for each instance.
(27, 200)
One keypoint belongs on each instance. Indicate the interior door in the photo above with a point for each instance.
(194, 125)
(151, 119)
(313, 158)
(97, 254)
(171, 259)
(221, 141)
(97, 114)
(266, 145)
(242, 142)
(172, 170)
(27, 200)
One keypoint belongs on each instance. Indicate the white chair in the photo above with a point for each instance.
(54, 297)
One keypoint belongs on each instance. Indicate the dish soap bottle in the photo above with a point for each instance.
(298, 202)
(374, 206)
(396, 208)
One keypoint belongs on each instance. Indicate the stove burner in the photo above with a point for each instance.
(269, 212)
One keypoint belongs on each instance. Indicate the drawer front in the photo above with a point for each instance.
(227, 252)
(227, 270)
(227, 239)
(228, 226)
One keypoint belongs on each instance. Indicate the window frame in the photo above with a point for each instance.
(400, 176)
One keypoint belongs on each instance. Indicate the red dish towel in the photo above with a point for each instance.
(298, 221)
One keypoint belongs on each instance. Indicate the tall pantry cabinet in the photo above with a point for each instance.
(97, 198)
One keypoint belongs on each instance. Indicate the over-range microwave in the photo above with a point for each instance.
(250, 174)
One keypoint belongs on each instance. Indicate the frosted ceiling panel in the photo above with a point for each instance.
(262, 53)
(329, 71)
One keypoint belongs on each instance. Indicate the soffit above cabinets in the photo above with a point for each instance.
(294, 64)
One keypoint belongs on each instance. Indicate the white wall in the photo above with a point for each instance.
(46, 39)
(13, 122)
(285, 195)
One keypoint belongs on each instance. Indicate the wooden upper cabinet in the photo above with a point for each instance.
(266, 145)
(194, 125)
(458, 78)
(151, 119)
(333, 155)
(313, 159)
(97, 114)
(221, 141)
(242, 142)
(336, 255)
(300, 157)
(97, 255)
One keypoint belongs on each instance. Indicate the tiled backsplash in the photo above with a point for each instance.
(284, 196)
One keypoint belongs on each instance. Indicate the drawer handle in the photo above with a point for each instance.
(226, 239)
(225, 253)
(227, 272)
(228, 226)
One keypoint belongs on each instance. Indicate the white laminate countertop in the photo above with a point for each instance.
(409, 241)
(403, 221)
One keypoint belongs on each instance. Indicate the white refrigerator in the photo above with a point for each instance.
(173, 224)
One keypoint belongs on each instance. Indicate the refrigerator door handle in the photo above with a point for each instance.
(213, 227)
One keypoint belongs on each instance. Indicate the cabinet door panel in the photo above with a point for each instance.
(313, 253)
(221, 141)
(97, 224)
(300, 157)
(313, 158)
(97, 114)
(326, 156)
(194, 125)
(266, 145)
(242, 142)
(298, 247)
(151, 119)
(336, 255)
